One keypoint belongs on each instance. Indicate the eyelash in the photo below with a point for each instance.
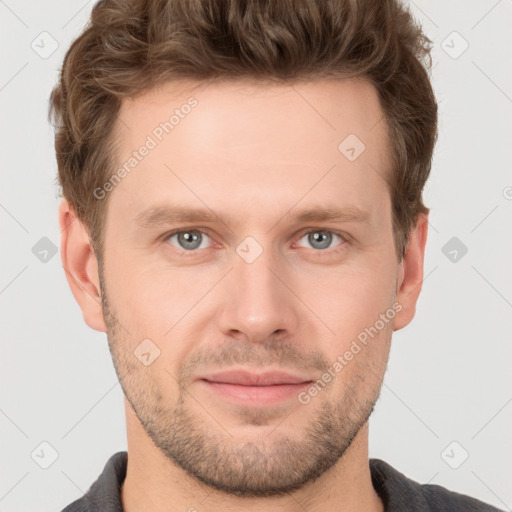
(194, 252)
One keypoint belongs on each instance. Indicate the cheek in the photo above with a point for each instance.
(358, 307)
(151, 300)
(349, 300)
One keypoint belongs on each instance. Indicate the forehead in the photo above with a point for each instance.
(247, 143)
(327, 109)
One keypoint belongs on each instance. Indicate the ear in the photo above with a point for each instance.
(410, 273)
(80, 266)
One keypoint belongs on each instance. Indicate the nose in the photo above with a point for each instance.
(259, 300)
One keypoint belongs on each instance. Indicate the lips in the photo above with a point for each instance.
(245, 378)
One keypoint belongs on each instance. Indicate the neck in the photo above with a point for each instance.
(153, 482)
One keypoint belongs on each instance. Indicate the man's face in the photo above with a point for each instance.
(260, 289)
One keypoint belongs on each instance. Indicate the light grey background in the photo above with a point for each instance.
(449, 373)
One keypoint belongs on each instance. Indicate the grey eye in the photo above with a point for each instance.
(320, 239)
(189, 240)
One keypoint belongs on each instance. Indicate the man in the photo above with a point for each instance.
(242, 216)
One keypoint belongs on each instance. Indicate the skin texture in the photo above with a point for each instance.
(257, 154)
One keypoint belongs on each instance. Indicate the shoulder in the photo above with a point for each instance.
(104, 494)
(401, 493)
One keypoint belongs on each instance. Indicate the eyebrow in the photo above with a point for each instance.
(164, 215)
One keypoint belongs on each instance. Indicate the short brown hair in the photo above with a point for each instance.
(131, 46)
